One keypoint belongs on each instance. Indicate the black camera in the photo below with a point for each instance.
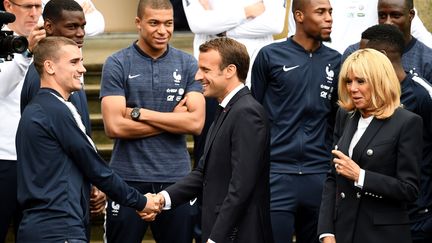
(10, 43)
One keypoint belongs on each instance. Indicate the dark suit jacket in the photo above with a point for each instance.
(389, 151)
(233, 175)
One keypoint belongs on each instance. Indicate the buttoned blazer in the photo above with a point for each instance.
(233, 175)
(389, 151)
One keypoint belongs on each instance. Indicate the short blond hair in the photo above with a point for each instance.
(376, 69)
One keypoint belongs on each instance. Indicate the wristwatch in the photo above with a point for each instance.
(135, 113)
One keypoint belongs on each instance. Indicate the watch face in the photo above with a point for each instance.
(135, 113)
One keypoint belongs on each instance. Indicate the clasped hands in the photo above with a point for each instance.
(155, 203)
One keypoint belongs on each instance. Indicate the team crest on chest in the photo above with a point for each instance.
(177, 77)
(326, 88)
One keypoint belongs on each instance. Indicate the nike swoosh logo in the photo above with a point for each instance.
(286, 69)
(192, 202)
(134, 76)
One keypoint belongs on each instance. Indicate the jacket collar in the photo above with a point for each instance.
(365, 139)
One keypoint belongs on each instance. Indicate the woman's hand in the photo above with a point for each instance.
(345, 166)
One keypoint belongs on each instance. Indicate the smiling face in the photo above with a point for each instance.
(360, 93)
(71, 25)
(155, 28)
(68, 69)
(211, 77)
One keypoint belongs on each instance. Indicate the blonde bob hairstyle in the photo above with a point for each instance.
(376, 69)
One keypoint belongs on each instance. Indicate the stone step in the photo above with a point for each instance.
(92, 92)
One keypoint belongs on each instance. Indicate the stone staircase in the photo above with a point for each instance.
(95, 52)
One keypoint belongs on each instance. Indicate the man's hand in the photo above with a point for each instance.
(181, 106)
(37, 34)
(152, 208)
(161, 199)
(97, 201)
(329, 239)
(153, 204)
(254, 10)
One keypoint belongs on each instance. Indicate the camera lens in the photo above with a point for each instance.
(13, 44)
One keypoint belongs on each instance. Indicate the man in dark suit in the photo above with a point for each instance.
(233, 173)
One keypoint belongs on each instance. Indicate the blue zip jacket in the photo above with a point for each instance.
(56, 164)
(298, 89)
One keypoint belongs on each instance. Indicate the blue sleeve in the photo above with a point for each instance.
(425, 111)
(82, 153)
(30, 87)
(259, 76)
(112, 80)
(350, 49)
(192, 84)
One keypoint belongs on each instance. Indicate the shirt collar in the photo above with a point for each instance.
(231, 94)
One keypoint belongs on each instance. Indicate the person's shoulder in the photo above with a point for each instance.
(122, 53)
(250, 106)
(277, 44)
(246, 99)
(402, 114)
(43, 102)
(281, 47)
(419, 47)
(421, 87)
(331, 52)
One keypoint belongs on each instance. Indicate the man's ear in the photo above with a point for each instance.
(48, 26)
(231, 70)
(7, 5)
(411, 14)
(298, 16)
(137, 23)
(49, 67)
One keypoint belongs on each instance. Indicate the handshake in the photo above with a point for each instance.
(155, 203)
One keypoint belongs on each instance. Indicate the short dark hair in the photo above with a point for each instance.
(47, 49)
(154, 4)
(298, 5)
(387, 34)
(231, 52)
(54, 8)
(409, 4)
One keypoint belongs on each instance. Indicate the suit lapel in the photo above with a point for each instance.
(348, 133)
(214, 129)
(366, 138)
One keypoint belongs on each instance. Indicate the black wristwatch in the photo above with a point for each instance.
(135, 113)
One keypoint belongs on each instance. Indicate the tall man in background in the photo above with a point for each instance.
(150, 99)
(417, 57)
(296, 81)
(27, 13)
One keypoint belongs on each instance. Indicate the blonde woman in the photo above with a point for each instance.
(375, 166)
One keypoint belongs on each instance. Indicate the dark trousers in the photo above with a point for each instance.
(421, 228)
(124, 225)
(294, 206)
(9, 210)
